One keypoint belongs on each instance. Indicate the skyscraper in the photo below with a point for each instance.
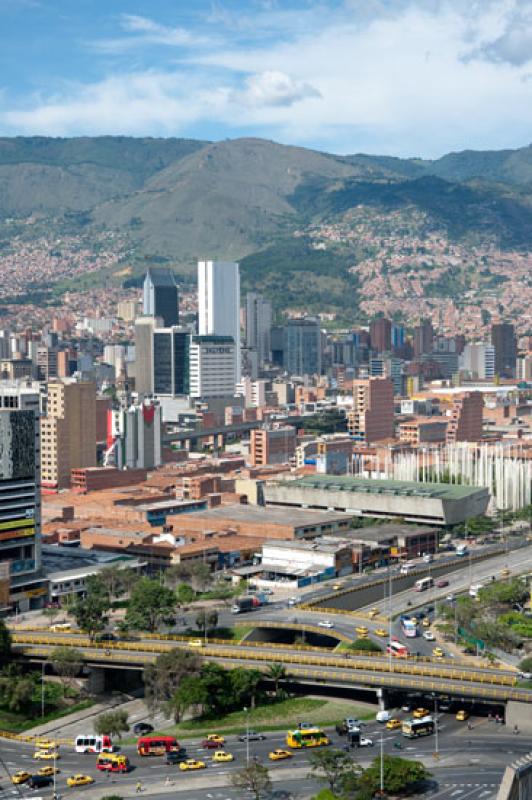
(504, 342)
(423, 337)
(212, 367)
(380, 331)
(171, 361)
(219, 303)
(258, 325)
(371, 419)
(144, 327)
(302, 347)
(160, 296)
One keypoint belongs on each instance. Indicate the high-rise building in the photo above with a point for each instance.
(259, 325)
(144, 327)
(275, 445)
(134, 436)
(524, 368)
(398, 336)
(170, 361)
(479, 360)
(46, 363)
(504, 341)
(219, 304)
(380, 331)
(160, 296)
(386, 366)
(302, 347)
(465, 423)
(68, 432)
(212, 366)
(371, 418)
(22, 586)
(423, 337)
(127, 310)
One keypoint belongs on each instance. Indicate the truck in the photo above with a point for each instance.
(243, 604)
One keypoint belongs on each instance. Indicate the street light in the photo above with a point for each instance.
(382, 768)
(43, 667)
(437, 753)
(246, 711)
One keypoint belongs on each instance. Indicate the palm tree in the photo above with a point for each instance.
(277, 673)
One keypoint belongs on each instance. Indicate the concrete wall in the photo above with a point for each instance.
(519, 714)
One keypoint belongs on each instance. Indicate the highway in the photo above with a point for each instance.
(471, 762)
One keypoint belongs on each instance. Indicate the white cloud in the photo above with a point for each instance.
(141, 31)
(407, 77)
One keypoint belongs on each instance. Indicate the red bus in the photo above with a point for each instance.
(157, 745)
(397, 649)
(112, 762)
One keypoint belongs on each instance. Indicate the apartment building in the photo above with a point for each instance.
(371, 418)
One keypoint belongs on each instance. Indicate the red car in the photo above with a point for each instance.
(212, 742)
(442, 583)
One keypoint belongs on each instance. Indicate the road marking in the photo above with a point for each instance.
(457, 791)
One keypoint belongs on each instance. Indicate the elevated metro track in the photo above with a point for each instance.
(346, 670)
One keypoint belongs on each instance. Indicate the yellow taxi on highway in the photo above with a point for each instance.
(79, 780)
(214, 737)
(195, 642)
(505, 572)
(380, 632)
(221, 756)
(361, 630)
(20, 777)
(438, 652)
(462, 715)
(425, 622)
(414, 620)
(337, 586)
(419, 713)
(279, 755)
(373, 612)
(47, 772)
(192, 763)
(44, 744)
(393, 724)
(46, 755)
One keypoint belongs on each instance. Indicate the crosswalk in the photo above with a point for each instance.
(462, 791)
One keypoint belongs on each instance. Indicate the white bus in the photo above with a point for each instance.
(397, 649)
(423, 584)
(93, 744)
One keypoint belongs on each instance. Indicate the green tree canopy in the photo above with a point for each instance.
(67, 662)
(5, 643)
(254, 778)
(331, 766)
(90, 612)
(399, 773)
(149, 604)
(162, 679)
(112, 723)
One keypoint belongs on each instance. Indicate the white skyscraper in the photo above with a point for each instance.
(219, 302)
(479, 360)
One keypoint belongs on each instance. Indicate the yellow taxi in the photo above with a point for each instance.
(419, 713)
(46, 755)
(373, 613)
(79, 780)
(279, 755)
(462, 715)
(47, 772)
(215, 737)
(438, 652)
(222, 756)
(44, 744)
(20, 777)
(414, 620)
(337, 586)
(195, 642)
(393, 724)
(361, 630)
(380, 632)
(192, 763)
(505, 572)
(425, 622)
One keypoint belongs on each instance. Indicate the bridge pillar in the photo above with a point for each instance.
(382, 699)
(518, 713)
(97, 680)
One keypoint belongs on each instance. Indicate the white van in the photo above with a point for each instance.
(383, 716)
(407, 568)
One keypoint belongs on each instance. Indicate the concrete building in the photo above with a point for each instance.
(171, 361)
(387, 366)
(302, 347)
(219, 304)
(465, 418)
(371, 418)
(212, 367)
(423, 337)
(423, 430)
(478, 360)
(432, 503)
(275, 445)
(505, 344)
(300, 563)
(380, 332)
(144, 327)
(258, 326)
(22, 586)
(160, 296)
(253, 392)
(68, 432)
(46, 363)
(334, 454)
(524, 368)
(134, 436)
(127, 310)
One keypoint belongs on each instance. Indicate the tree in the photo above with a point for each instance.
(206, 620)
(5, 643)
(526, 664)
(201, 576)
(112, 723)
(367, 645)
(244, 685)
(276, 673)
(112, 579)
(149, 604)
(190, 693)
(398, 773)
(253, 777)
(67, 662)
(162, 679)
(185, 594)
(90, 612)
(51, 612)
(331, 766)
(177, 573)
(16, 690)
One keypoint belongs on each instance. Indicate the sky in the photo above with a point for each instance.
(395, 77)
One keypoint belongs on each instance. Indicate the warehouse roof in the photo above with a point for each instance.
(441, 491)
(270, 515)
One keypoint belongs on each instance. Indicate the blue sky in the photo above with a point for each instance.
(401, 77)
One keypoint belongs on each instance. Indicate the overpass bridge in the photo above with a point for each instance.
(220, 432)
(303, 663)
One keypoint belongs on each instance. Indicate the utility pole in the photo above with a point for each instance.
(247, 735)
(437, 753)
(382, 768)
(43, 667)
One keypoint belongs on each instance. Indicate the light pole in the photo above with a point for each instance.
(390, 661)
(382, 767)
(437, 753)
(246, 710)
(43, 667)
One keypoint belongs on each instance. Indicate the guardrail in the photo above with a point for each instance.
(23, 737)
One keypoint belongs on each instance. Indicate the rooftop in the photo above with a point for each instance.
(60, 559)
(270, 515)
(344, 483)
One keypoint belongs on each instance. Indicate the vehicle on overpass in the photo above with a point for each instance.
(93, 744)
(112, 762)
(412, 728)
(397, 649)
(423, 584)
(311, 737)
(461, 550)
(409, 627)
(157, 745)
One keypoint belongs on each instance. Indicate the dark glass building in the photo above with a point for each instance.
(161, 297)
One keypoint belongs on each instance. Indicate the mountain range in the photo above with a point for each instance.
(177, 200)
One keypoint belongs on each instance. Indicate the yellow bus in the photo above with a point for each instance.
(112, 762)
(308, 737)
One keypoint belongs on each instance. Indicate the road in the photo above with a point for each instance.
(470, 763)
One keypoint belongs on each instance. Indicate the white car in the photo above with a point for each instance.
(429, 636)
(292, 601)
(383, 716)
(365, 742)
(325, 623)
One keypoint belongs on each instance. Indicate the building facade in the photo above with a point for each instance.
(212, 366)
(258, 326)
(161, 296)
(302, 347)
(219, 304)
(372, 417)
(504, 341)
(170, 361)
(272, 445)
